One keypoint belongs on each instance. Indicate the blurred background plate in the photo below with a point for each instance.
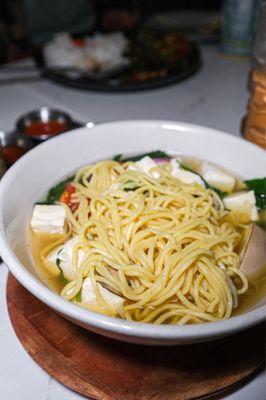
(150, 66)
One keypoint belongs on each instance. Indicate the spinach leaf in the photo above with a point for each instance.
(162, 154)
(117, 157)
(152, 154)
(56, 191)
(61, 275)
(220, 193)
(130, 185)
(259, 187)
(78, 296)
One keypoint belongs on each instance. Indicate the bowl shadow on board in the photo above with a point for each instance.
(219, 360)
(200, 352)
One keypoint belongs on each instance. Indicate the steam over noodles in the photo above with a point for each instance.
(147, 246)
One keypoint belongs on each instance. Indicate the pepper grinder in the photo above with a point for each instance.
(254, 124)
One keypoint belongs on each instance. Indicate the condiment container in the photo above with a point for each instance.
(14, 145)
(44, 123)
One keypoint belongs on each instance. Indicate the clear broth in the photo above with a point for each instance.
(39, 241)
(256, 293)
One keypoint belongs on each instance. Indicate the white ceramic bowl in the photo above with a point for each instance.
(37, 171)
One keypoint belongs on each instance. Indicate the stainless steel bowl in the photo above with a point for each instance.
(44, 114)
(8, 138)
(15, 138)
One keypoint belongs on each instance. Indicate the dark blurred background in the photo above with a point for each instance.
(28, 23)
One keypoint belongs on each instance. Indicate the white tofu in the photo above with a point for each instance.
(64, 254)
(145, 164)
(88, 296)
(184, 175)
(114, 186)
(218, 178)
(48, 219)
(244, 202)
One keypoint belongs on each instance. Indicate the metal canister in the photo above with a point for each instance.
(14, 145)
(44, 116)
(239, 21)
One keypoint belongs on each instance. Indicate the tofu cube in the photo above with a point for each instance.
(63, 255)
(48, 219)
(183, 175)
(145, 164)
(88, 297)
(243, 202)
(218, 178)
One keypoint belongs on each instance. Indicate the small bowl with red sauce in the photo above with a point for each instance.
(14, 146)
(44, 123)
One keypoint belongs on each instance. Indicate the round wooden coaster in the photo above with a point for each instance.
(106, 369)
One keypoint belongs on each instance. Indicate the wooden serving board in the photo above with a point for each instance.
(106, 369)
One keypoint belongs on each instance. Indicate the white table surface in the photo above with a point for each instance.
(215, 97)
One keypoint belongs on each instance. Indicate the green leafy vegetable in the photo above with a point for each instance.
(162, 154)
(152, 154)
(61, 275)
(78, 296)
(117, 157)
(56, 191)
(130, 185)
(259, 187)
(220, 193)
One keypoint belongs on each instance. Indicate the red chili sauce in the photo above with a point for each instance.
(12, 153)
(45, 128)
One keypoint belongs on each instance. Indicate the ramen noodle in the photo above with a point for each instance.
(147, 240)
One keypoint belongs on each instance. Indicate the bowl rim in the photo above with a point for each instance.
(202, 331)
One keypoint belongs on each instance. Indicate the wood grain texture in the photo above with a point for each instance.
(106, 369)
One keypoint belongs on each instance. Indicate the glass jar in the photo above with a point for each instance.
(238, 23)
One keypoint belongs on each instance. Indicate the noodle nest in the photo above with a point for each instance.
(169, 249)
